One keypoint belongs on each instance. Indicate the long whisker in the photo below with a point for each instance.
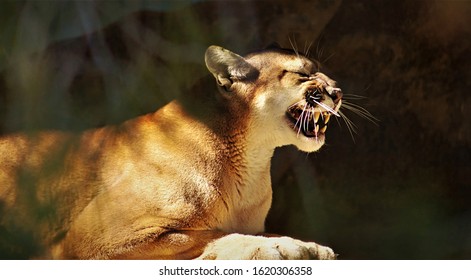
(306, 120)
(294, 46)
(300, 118)
(352, 128)
(349, 96)
(296, 104)
(360, 111)
(300, 125)
(308, 49)
(303, 121)
(330, 110)
(320, 51)
(329, 57)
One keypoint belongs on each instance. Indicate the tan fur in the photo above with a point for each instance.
(190, 180)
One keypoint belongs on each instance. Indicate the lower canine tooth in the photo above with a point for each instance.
(323, 129)
(316, 129)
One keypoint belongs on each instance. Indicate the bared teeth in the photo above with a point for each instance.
(326, 118)
(316, 116)
(312, 122)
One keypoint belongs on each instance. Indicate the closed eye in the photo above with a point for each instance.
(303, 74)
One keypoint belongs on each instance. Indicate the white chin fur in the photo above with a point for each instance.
(284, 135)
(288, 136)
(309, 145)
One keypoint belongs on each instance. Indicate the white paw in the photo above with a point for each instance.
(249, 247)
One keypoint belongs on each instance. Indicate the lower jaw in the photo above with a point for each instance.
(313, 136)
(309, 145)
(319, 139)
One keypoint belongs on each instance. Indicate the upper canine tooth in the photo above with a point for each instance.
(326, 118)
(316, 116)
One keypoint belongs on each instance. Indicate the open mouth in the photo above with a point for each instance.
(308, 120)
(311, 115)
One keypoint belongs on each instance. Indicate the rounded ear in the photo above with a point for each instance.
(227, 66)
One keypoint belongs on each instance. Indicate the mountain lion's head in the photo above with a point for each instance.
(290, 102)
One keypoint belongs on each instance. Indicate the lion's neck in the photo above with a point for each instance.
(247, 155)
(248, 167)
(228, 153)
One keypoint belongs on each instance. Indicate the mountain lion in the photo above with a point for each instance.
(191, 180)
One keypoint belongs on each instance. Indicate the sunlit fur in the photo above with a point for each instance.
(191, 180)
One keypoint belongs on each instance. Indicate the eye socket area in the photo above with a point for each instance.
(303, 75)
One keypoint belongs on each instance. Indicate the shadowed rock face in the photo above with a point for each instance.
(401, 189)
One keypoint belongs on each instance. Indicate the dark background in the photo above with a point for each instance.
(398, 189)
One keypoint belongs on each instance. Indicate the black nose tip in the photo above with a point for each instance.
(336, 95)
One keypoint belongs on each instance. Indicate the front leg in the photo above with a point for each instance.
(217, 245)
